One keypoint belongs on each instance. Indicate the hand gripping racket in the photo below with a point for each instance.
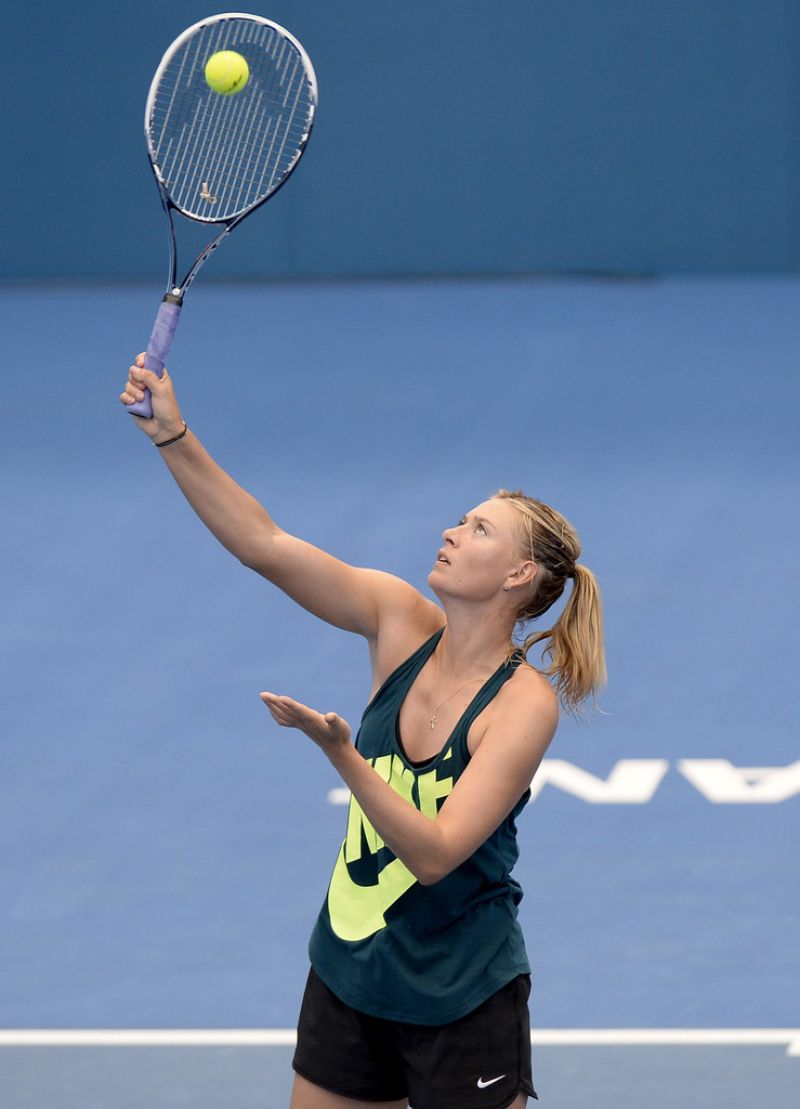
(216, 157)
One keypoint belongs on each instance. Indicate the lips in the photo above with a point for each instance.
(442, 557)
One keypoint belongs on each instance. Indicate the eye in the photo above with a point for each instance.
(480, 527)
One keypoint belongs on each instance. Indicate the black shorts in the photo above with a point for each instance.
(481, 1061)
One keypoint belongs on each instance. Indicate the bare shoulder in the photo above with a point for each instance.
(531, 691)
(525, 711)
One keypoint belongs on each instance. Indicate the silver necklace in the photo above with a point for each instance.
(435, 717)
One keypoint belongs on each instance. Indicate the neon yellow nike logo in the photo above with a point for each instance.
(358, 911)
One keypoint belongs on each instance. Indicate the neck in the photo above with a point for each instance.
(472, 647)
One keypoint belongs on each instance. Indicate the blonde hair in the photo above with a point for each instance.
(575, 649)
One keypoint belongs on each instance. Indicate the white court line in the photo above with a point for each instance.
(669, 1037)
(148, 1037)
(286, 1037)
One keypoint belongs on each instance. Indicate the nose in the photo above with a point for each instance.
(447, 535)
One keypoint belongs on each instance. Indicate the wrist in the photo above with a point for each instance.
(166, 436)
(341, 754)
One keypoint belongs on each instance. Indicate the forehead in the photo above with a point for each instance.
(498, 512)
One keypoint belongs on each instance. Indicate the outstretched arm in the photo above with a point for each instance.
(498, 774)
(347, 596)
(239, 522)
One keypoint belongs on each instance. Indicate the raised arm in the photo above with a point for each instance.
(349, 597)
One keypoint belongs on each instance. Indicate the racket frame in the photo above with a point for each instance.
(175, 290)
(168, 315)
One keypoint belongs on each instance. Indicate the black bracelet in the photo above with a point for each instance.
(167, 442)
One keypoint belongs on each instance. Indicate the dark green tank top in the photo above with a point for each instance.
(383, 943)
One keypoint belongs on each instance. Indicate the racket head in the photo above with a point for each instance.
(218, 157)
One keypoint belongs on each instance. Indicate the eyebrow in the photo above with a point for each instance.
(480, 519)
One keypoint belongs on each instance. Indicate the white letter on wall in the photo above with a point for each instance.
(721, 782)
(631, 782)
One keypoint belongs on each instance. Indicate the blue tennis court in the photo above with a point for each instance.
(552, 247)
(166, 847)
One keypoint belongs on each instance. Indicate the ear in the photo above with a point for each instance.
(523, 575)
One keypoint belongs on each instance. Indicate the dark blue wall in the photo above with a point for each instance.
(453, 137)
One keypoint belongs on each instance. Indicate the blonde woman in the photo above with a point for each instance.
(419, 981)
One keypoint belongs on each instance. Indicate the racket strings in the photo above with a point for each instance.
(219, 155)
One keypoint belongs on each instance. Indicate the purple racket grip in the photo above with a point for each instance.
(157, 351)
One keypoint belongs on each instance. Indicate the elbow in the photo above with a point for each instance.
(257, 551)
(432, 871)
(254, 563)
(250, 560)
(438, 859)
(429, 879)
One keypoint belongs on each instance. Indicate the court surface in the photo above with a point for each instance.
(165, 847)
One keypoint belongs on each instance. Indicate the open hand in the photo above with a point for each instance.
(329, 730)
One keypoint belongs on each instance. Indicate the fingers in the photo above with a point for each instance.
(144, 377)
(277, 709)
(288, 713)
(138, 380)
(134, 387)
(292, 714)
(163, 378)
(134, 390)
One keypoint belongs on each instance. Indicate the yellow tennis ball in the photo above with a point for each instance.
(227, 72)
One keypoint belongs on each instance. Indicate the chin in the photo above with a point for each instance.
(435, 584)
(440, 588)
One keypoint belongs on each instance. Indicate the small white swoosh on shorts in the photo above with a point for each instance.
(490, 1082)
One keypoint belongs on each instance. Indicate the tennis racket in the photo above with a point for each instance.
(216, 157)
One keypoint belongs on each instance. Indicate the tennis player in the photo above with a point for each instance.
(419, 982)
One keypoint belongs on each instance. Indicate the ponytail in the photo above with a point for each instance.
(574, 652)
(575, 649)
